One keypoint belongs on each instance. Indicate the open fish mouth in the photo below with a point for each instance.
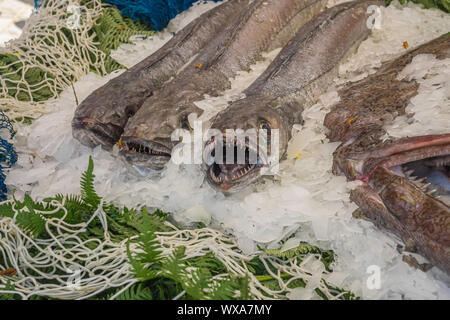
(144, 153)
(406, 192)
(431, 175)
(422, 161)
(93, 133)
(238, 165)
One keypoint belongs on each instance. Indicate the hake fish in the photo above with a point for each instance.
(102, 116)
(265, 24)
(275, 101)
(402, 178)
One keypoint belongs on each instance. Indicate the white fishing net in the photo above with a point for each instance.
(54, 50)
(91, 266)
(306, 201)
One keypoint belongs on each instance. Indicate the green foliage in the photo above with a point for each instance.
(154, 222)
(9, 296)
(112, 29)
(300, 252)
(444, 5)
(303, 249)
(88, 193)
(29, 220)
(78, 208)
(208, 262)
(149, 264)
(34, 77)
(26, 217)
(347, 295)
(135, 292)
(159, 276)
(109, 31)
(24, 120)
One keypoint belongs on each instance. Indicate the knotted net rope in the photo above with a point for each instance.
(61, 42)
(91, 266)
(55, 49)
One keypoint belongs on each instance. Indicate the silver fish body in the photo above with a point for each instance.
(102, 116)
(299, 74)
(264, 25)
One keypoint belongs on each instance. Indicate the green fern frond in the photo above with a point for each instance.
(327, 256)
(6, 210)
(8, 286)
(135, 292)
(145, 263)
(208, 261)
(27, 219)
(31, 222)
(144, 221)
(150, 247)
(112, 29)
(88, 193)
(228, 289)
(155, 221)
(160, 276)
(194, 282)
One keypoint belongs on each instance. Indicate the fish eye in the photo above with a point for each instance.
(264, 125)
(185, 123)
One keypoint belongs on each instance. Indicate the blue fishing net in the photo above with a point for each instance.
(38, 3)
(156, 13)
(8, 155)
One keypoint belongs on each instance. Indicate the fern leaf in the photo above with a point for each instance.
(31, 222)
(145, 263)
(6, 210)
(88, 193)
(135, 292)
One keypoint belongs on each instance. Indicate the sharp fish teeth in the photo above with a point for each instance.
(425, 186)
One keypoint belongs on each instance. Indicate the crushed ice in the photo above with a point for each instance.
(305, 202)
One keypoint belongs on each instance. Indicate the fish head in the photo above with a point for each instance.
(150, 136)
(422, 163)
(95, 124)
(406, 190)
(406, 186)
(247, 135)
(421, 156)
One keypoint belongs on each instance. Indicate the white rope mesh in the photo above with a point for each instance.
(92, 266)
(57, 44)
(63, 52)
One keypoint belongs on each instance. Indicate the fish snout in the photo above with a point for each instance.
(232, 163)
(144, 153)
(92, 133)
